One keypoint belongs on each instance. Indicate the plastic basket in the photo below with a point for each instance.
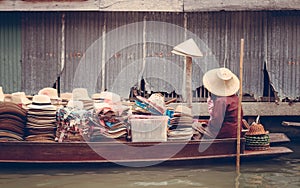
(148, 128)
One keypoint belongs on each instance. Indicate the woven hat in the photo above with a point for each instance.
(41, 102)
(256, 129)
(20, 98)
(187, 48)
(1, 95)
(78, 105)
(183, 110)
(51, 92)
(221, 82)
(80, 94)
(66, 96)
(158, 100)
(108, 97)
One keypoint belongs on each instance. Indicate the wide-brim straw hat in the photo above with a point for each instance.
(41, 112)
(66, 96)
(80, 94)
(20, 98)
(107, 96)
(256, 129)
(221, 82)
(156, 101)
(51, 92)
(187, 48)
(75, 105)
(41, 102)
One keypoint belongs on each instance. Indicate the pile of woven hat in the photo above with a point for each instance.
(41, 120)
(73, 119)
(154, 105)
(181, 124)
(110, 118)
(72, 122)
(257, 138)
(12, 121)
(81, 94)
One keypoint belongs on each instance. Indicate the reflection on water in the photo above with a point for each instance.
(279, 172)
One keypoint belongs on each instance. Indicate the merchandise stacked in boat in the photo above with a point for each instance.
(81, 94)
(72, 122)
(12, 121)
(181, 124)
(257, 138)
(73, 119)
(110, 118)
(41, 120)
(106, 119)
(148, 122)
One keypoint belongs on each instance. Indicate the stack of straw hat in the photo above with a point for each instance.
(154, 105)
(81, 94)
(41, 120)
(65, 98)
(12, 122)
(181, 124)
(257, 138)
(107, 123)
(182, 134)
(182, 117)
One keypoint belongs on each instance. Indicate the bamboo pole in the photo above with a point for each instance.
(188, 80)
(238, 145)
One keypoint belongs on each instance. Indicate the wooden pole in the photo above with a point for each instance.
(238, 145)
(188, 80)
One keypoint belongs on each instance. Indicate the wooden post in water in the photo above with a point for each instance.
(238, 145)
(188, 81)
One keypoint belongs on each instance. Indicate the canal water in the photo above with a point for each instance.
(282, 172)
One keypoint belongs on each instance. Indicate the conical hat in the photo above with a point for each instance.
(187, 48)
(221, 82)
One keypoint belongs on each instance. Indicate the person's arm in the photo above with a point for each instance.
(218, 114)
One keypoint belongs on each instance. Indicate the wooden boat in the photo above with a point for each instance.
(128, 152)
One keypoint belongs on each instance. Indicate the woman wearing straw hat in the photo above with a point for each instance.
(223, 86)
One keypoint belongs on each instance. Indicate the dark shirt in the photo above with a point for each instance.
(224, 118)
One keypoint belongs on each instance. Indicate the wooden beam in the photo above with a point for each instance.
(147, 6)
(253, 109)
(142, 5)
(239, 5)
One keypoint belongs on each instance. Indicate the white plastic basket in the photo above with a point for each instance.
(148, 128)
